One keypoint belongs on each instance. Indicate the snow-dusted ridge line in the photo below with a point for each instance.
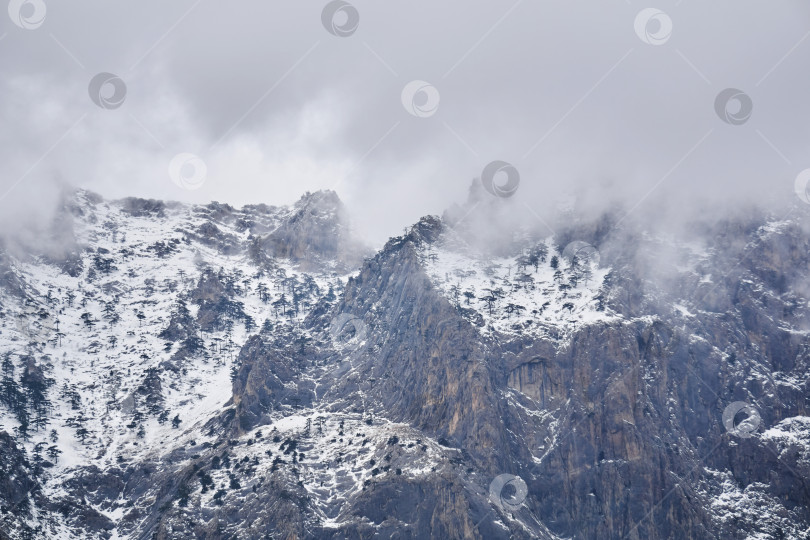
(535, 299)
(98, 335)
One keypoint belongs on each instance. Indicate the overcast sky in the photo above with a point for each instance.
(576, 95)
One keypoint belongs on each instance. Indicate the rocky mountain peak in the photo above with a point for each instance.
(315, 231)
(324, 200)
(206, 371)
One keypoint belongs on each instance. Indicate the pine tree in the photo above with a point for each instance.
(250, 324)
(455, 291)
(522, 263)
(8, 386)
(22, 429)
(282, 304)
(35, 386)
(534, 260)
(53, 453)
(514, 308)
(89, 322)
(82, 432)
(540, 252)
(110, 314)
(261, 291)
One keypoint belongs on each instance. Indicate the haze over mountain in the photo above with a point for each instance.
(205, 371)
(275, 105)
(404, 270)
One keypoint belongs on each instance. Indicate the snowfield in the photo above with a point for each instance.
(514, 296)
(96, 336)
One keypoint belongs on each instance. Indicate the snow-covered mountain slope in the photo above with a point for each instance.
(182, 371)
(532, 293)
(120, 387)
(102, 329)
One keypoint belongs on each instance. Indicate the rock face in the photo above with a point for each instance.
(255, 388)
(268, 378)
(213, 298)
(10, 281)
(143, 207)
(433, 375)
(19, 493)
(315, 234)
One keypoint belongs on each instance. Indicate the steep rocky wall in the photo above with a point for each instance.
(429, 366)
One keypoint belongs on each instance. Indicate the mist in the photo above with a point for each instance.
(604, 106)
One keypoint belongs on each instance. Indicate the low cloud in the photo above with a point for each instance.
(275, 105)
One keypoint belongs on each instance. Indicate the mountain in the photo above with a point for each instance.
(201, 371)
